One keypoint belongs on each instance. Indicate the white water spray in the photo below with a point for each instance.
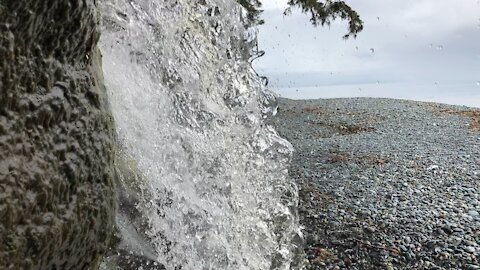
(212, 190)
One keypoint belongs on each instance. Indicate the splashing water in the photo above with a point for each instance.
(207, 184)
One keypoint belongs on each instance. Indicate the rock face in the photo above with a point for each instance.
(56, 137)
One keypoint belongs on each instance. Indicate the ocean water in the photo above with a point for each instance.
(467, 94)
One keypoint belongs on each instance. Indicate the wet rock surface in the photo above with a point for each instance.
(56, 137)
(385, 184)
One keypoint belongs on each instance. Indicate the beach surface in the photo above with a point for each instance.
(385, 183)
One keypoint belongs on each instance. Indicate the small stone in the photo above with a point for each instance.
(389, 267)
(469, 243)
(455, 241)
(470, 249)
(473, 213)
(458, 230)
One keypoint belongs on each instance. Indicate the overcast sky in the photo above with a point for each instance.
(418, 49)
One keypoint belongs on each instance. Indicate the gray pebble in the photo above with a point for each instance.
(473, 213)
(470, 249)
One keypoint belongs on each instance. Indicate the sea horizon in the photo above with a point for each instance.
(463, 94)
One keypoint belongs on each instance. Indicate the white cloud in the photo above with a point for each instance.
(431, 17)
(400, 36)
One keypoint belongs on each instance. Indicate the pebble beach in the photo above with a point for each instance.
(385, 183)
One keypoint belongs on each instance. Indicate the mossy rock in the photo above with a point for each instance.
(57, 194)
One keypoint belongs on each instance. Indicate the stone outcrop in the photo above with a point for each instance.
(56, 137)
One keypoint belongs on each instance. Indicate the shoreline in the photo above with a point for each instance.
(451, 94)
(473, 107)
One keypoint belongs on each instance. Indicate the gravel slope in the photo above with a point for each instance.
(386, 184)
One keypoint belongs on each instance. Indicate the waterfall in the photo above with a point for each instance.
(203, 180)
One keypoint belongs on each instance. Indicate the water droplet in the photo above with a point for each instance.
(478, 83)
(356, 48)
(360, 89)
(431, 45)
(378, 82)
(372, 50)
(378, 18)
(439, 47)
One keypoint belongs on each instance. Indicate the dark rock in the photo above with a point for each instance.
(56, 137)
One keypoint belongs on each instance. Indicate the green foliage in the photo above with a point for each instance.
(321, 12)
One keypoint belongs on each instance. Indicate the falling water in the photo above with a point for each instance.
(203, 181)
